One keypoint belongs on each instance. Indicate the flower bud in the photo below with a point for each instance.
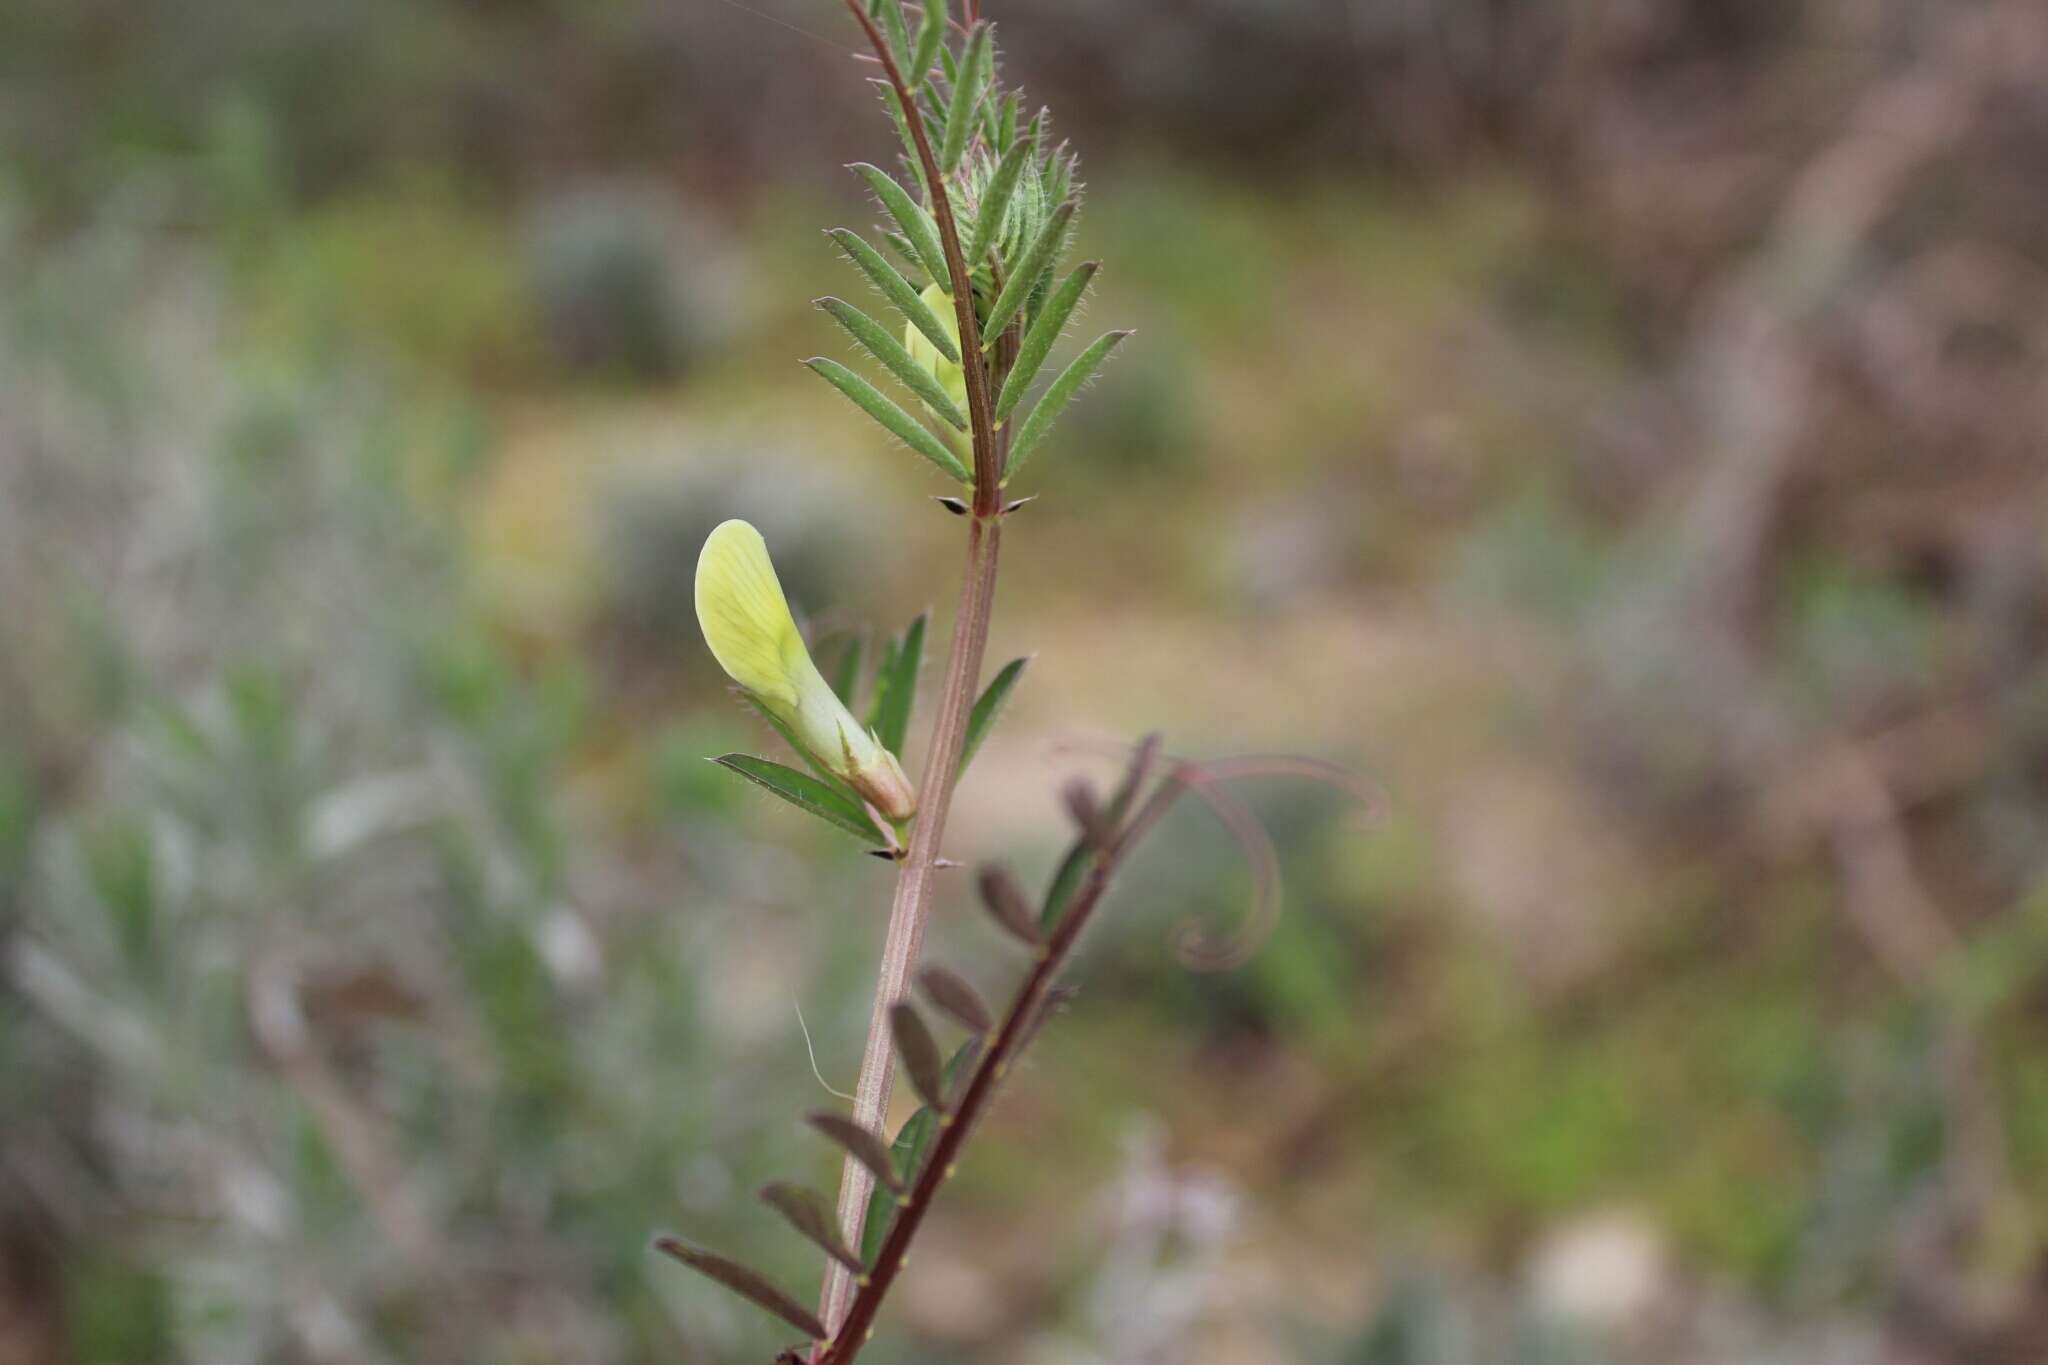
(746, 621)
(951, 377)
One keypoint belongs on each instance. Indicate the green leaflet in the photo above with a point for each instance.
(887, 349)
(906, 253)
(966, 98)
(896, 686)
(1038, 341)
(930, 35)
(885, 661)
(1035, 305)
(1002, 126)
(1024, 274)
(804, 792)
(892, 102)
(1066, 880)
(1028, 208)
(910, 216)
(894, 419)
(897, 290)
(846, 673)
(928, 95)
(987, 707)
(890, 12)
(1060, 174)
(995, 200)
(1056, 399)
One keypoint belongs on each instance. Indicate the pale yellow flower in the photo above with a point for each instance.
(951, 377)
(746, 622)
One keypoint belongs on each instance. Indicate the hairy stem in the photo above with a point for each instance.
(912, 904)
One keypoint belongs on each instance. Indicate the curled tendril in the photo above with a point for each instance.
(1200, 947)
(1369, 796)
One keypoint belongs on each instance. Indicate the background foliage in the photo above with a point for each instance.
(1616, 428)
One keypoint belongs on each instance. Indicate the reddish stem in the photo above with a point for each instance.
(850, 1335)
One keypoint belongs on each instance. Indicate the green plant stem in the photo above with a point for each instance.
(912, 904)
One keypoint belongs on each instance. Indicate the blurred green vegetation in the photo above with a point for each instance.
(383, 965)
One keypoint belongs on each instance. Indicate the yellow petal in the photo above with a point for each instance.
(746, 622)
(744, 615)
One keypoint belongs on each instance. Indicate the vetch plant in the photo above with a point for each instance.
(978, 221)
